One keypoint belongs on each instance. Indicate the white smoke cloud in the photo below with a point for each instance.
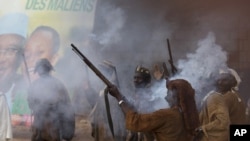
(198, 67)
(114, 18)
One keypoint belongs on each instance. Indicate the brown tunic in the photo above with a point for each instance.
(214, 118)
(166, 124)
(236, 108)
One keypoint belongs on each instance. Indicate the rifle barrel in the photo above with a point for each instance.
(169, 50)
(91, 66)
(173, 68)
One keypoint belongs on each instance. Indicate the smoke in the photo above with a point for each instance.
(200, 67)
(127, 38)
(134, 33)
(114, 18)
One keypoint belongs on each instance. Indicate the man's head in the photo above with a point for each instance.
(179, 92)
(182, 95)
(12, 39)
(142, 77)
(44, 42)
(235, 74)
(225, 82)
(43, 67)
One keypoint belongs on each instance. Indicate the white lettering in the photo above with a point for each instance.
(239, 132)
(243, 131)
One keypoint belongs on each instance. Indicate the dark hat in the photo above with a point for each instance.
(144, 72)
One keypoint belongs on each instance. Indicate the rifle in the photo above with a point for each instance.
(102, 77)
(171, 62)
(91, 66)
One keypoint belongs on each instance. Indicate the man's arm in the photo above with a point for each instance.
(122, 101)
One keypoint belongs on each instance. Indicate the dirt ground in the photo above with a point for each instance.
(82, 131)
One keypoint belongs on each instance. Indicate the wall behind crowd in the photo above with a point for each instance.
(144, 26)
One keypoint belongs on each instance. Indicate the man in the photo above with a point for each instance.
(49, 100)
(214, 115)
(142, 99)
(101, 130)
(44, 42)
(143, 96)
(235, 104)
(12, 39)
(176, 123)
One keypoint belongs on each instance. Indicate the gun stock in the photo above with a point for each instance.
(91, 66)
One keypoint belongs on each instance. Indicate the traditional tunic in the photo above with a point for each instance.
(165, 124)
(214, 118)
(145, 102)
(5, 116)
(236, 108)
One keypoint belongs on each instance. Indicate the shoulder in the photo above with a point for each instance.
(52, 80)
(215, 98)
(215, 95)
(229, 96)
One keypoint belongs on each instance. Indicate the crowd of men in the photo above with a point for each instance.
(46, 105)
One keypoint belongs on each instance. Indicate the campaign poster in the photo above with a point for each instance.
(22, 18)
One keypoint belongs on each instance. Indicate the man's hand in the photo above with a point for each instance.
(113, 90)
(198, 130)
(125, 105)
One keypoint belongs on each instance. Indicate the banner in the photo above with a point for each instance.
(60, 14)
(23, 17)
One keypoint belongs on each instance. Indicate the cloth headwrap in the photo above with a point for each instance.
(14, 23)
(186, 97)
(235, 74)
(237, 77)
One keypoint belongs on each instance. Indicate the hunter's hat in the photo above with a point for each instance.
(144, 72)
